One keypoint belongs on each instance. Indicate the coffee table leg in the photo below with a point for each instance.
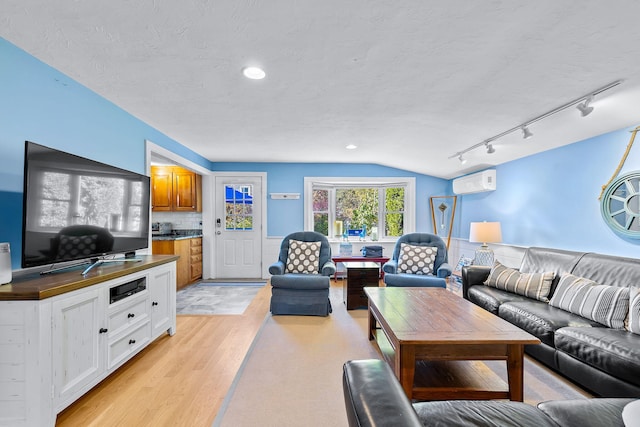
(406, 368)
(515, 372)
(372, 324)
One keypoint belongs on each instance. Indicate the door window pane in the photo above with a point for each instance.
(239, 207)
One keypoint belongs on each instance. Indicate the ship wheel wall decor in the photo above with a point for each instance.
(620, 205)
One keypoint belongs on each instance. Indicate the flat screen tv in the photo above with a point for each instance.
(79, 209)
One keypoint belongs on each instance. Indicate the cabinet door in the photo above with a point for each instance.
(79, 337)
(161, 189)
(184, 188)
(162, 288)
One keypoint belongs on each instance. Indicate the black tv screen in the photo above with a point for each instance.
(75, 208)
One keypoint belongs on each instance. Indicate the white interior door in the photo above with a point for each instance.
(238, 227)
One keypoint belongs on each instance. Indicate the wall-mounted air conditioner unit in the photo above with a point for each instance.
(476, 182)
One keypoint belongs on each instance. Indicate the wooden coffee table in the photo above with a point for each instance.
(436, 328)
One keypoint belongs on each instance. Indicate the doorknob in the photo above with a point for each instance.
(218, 232)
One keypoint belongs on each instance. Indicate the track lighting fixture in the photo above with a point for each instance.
(490, 149)
(584, 108)
(582, 104)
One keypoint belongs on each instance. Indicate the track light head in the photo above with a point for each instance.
(490, 149)
(584, 107)
(462, 160)
(526, 133)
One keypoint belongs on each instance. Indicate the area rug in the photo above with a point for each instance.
(216, 298)
(292, 374)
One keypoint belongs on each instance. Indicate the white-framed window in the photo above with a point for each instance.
(334, 205)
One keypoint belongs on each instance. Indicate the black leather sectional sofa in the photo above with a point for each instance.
(605, 361)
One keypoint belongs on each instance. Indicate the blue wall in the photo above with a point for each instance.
(39, 104)
(286, 216)
(551, 198)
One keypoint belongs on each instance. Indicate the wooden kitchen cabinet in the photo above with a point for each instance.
(189, 265)
(175, 189)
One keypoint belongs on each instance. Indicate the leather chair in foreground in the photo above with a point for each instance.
(374, 397)
(411, 266)
(301, 277)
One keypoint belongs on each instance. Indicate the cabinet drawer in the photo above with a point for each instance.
(196, 271)
(195, 250)
(196, 241)
(365, 274)
(196, 258)
(129, 314)
(120, 349)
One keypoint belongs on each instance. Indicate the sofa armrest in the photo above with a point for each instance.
(328, 269)
(473, 275)
(390, 267)
(373, 396)
(277, 268)
(444, 270)
(586, 412)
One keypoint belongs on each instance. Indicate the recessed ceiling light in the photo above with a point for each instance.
(351, 147)
(254, 73)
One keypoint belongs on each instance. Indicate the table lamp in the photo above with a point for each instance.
(484, 232)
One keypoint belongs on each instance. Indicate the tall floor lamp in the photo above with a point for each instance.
(484, 232)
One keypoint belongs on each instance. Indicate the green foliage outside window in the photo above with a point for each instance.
(360, 207)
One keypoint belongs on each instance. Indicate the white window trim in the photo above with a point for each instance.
(408, 183)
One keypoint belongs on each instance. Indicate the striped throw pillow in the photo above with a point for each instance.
(633, 320)
(604, 304)
(532, 285)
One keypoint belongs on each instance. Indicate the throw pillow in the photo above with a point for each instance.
(532, 285)
(633, 319)
(72, 247)
(303, 257)
(414, 259)
(604, 304)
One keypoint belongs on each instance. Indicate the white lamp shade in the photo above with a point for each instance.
(485, 232)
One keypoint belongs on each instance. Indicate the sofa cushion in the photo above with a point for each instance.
(415, 259)
(463, 413)
(548, 259)
(532, 285)
(540, 319)
(608, 305)
(303, 257)
(609, 269)
(614, 351)
(491, 298)
(633, 320)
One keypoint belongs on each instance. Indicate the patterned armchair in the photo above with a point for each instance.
(300, 279)
(419, 259)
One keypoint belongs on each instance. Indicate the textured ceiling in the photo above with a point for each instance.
(411, 82)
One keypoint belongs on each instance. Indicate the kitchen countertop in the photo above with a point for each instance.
(178, 235)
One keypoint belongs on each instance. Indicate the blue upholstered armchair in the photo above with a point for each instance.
(398, 271)
(300, 279)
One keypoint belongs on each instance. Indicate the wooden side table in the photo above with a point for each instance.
(359, 275)
(379, 260)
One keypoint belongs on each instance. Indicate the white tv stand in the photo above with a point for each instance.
(60, 334)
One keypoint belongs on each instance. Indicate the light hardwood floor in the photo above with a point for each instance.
(176, 381)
